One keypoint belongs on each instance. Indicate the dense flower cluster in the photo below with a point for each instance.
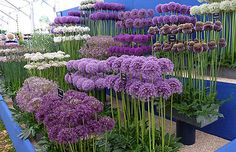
(186, 28)
(173, 7)
(70, 29)
(139, 38)
(73, 118)
(30, 96)
(215, 7)
(144, 76)
(136, 50)
(134, 23)
(193, 46)
(103, 16)
(173, 19)
(97, 47)
(41, 61)
(74, 13)
(79, 37)
(135, 13)
(109, 6)
(67, 20)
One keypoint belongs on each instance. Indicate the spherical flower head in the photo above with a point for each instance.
(136, 66)
(175, 85)
(208, 26)
(79, 83)
(218, 26)
(174, 29)
(133, 90)
(181, 19)
(184, 9)
(67, 135)
(88, 85)
(190, 45)
(146, 91)
(102, 67)
(153, 30)
(158, 8)
(212, 45)
(119, 85)
(222, 43)
(151, 70)
(93, 103)
(178, 7)
(69, 65)
(197, 48)
(110, 81)
(100, 83)
(53, 132)
(167, 47)
(124, 68)
(195, 10)
(205, 47)
(117, 64)
(204, 9)
(129, 23)
(157, 47)
(214, 7)
(172, 6)
(199, 26)
(166, 65)
(225, 5)
(180, 47)
(110, 61)
(187, 28)
(163, 89)
(164, 30)
(91, 68)
(137, 23)
(120, 25)
(134, 13)
(233, 5)
(142, 13)
(127, 15)
(160, 20)
(107, 123)
(174, 48)
(82, 66)
(68, 78)
(150, 12)
(173, 19)
(164, 8)
(121, 15)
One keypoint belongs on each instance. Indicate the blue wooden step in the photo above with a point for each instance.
(230, 147)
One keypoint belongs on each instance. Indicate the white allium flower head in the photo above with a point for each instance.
(214, 7)
(204, 8)
(225, 5)
(233, 5)
(195, 10)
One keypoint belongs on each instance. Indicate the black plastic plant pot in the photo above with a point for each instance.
(186, 132)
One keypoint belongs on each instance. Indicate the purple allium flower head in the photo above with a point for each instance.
(163, 89)
(164, 8)
(166, 65)
(67, 135)
(212, 45)
(142, 13)
(121, 15)
(166, 19)
(151, 70)
(173, 19)
(134, 13)
(164, 30)
(120, 25)
(184, 9)
(117, 64)
(160, 20)
(107, 123)
(69, 65)
(68, 78)
(129, 23)
(157, 47)
(172, 6)
(146, 91)
(88, 85)
(167, 47)
(181, 19)
(174, 48)
(175, 85)
(222, 43)
(127, 15)
(154, 20)
(136, 66)
(119, 85)
(190, 45)
(82, 131)
(102, 67)
(187, 28)
(199, 26)
(125, 65)
(180, 47)
(158, 8)
(82, 66)
(79, 83)
(197, 48)
(153, 30)
(110, 61)
(134, 88)
(91, 68)
(178, 7)
(53, 132)
(110, 81)
(150, 12)
(100, 83)
(205, 47)
(174, 29)
(137, 23)
(94, 103)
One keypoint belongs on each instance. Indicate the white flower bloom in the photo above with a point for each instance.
(214, 7)
(60, 52)
(225, 5)
(57, 39)
(233, 5)
(78, 37)
(204, 8)
(195, 10)
(29, 66)
(67, 56)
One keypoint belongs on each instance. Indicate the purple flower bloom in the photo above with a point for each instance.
(100, 83)
(197, 48)
(88, 85)
(133, 90)
(137, 23)
(212, 45)
(136, 66)
(164, 8)
(173, 19)
(205, 47)
(163, 89)
(129, 23)
(151, 70)
(160, 20)
(121, 15)
(91, 68)
(199, 26)
(102, 67)
(208, 26)
(142, 13)
(125, 65)
(107, 123)
(175, 85)
(110, 61)
(222, 43)
(172, 6)
(119, 85)
(117, 64)
(158, 8)
(166, 19)
(134, 13)
(166, 65)
(167, 47)
(150, 12)
(146, 91)
(68, 78)
(67, 135)
(53, 132)
(157, 47)
(127, 15)
(218, 26)
(110, 81)
(184, 9)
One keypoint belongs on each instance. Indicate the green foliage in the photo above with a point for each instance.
(41, 42)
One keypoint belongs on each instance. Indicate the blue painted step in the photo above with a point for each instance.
(230, 147)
